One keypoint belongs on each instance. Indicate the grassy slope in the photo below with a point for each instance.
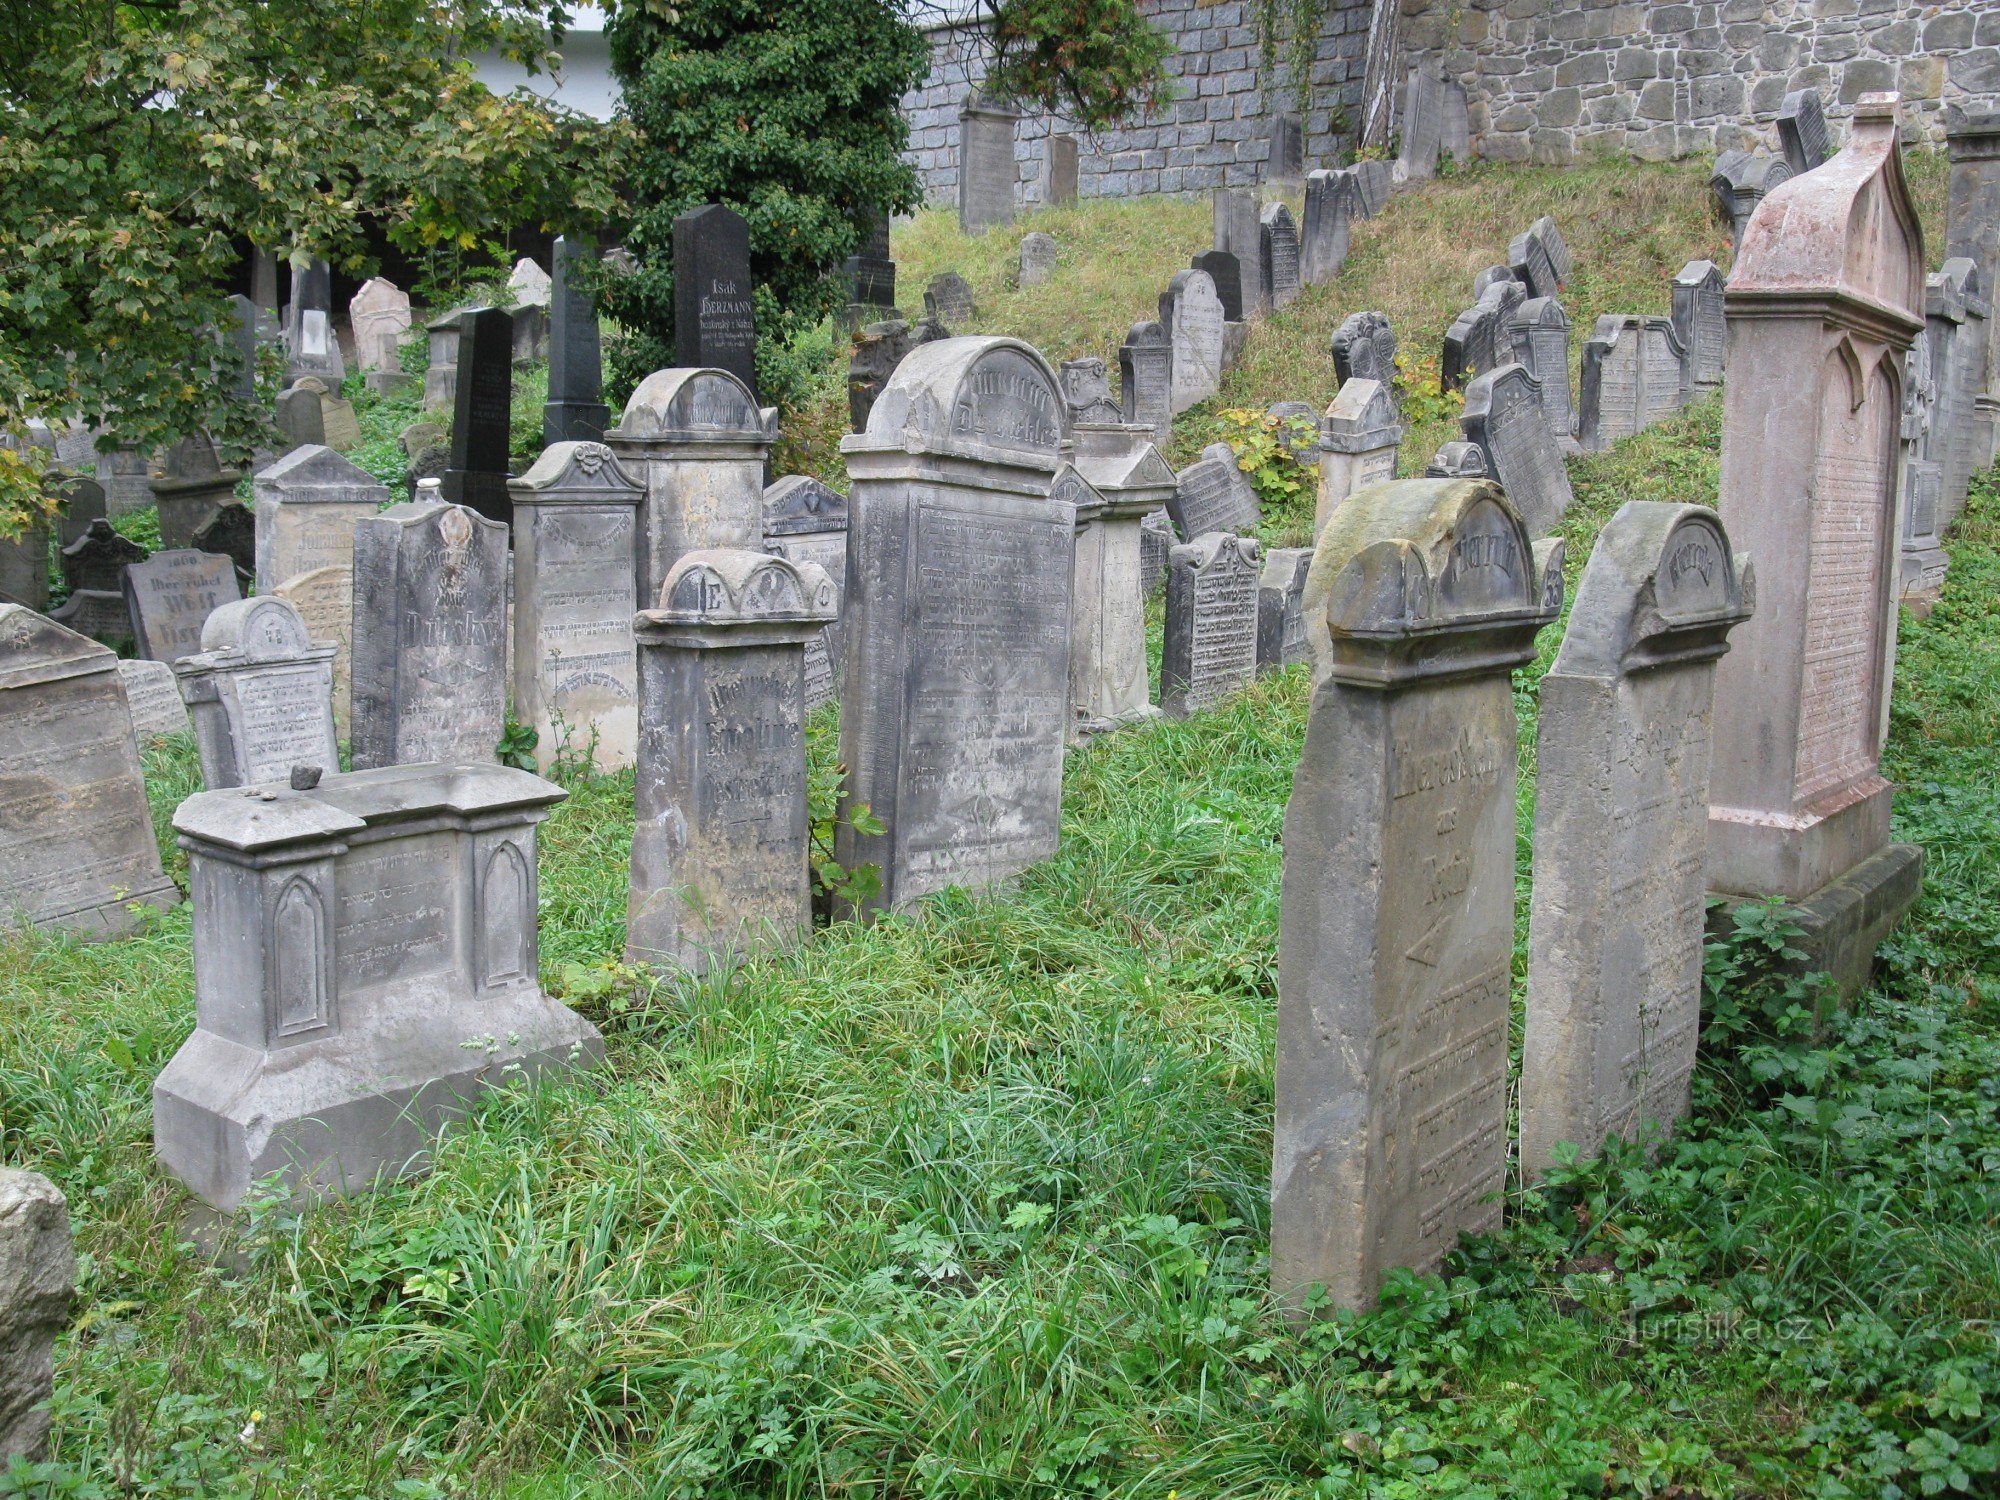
(974, 1202)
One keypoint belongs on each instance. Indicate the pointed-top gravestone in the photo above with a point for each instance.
(575, 411)
(528, 285)
(1191, 314)
(1802, 131)
(1327, 229)
(1278, 255)
(481, 428)
(1359, 438)
(1145, 379)
(261, 693)
(171, 595)
(1699, 323)
(1226, 272)
(1364, 348)
(715, 314)
(1539, 338)
(1504, 416)
(307, 505)
(986, 169)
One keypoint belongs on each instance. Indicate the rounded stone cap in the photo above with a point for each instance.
(694, 404)
(735, 586)
(1662, 585)
(264, 628)
(976, 397)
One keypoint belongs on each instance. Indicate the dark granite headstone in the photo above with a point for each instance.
(1214, 494)
(1457, 460)
(575, 411)
(1227, 273)
(1539, 337)
(1505, 417)
(1476, 342)
(482, 424)
(82, 500)
(97, 560)
(871, 274)
(1802, 131)
(949, 296)
(1211, 637)
(231, 531)
(172, 594)
(715, 313)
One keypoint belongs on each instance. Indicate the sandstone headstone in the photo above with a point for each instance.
(1226, 271)
(157, 710)
(1621, 832)
(715, 315)
(1145, 380)
(1635, 372)
(307, 505)
(1504, 415)
(171, 595)
(1119, 480)
(441, 374)
(1214, 494)
(1539, 338)
(482, 421)
(380, 316)
(1086, 388)
(1699, 324)
(337, 421)
(37, 1278)
(575, 410)
(1396, 933)
(1802, 131)
(806, 522)
(955, 697)
(324, 599)
(261, 694)
(1281, 620)
(719, 840)
(1278, 255)
(366, 965)
(528, 285)
(1359, 438)
(1364, 348)
(1236, 214)
(1327, 229)
(1038, 258)
(986, 170)
(1210, 649)
(76, 837)
(1062, 170)
(1191, 314)
(950, 296)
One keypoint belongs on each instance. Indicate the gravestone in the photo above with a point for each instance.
(575, 410)
(1364, 348)
(1477, 339)
(1972, 211)
(715, 315)
(1422, 125)
(441, 374)
(1278, 255)
(1621, 832)
(1359, 438)
(1375, 179)
(1457, 460)
(955, 696)
(157, 710)
(231, 531)
(82, 500)
(240, 336)
(1086, 388)
(1455, 124)
(985, 164)
(1210, 649)
(1491, 276)
(307, 505)
(949, 296)
(1958, 451)
(171, 595)
(1038, 258)
(1281, 620)
(1824, 300)
(261, 693)
(878, 349)
(1396, 929)
(482, 421)
(1504, 415)
(1635, 372)
(37, 1279)
(1557, 248)
(1538, 337)
(1327, 228)
(430, 636)
(24, 567)
(1214, 494)
(366, 965)
(96, 561)
(310, 345)
(871, 274)
(324, 599)
(101, 614)
(337, 421)
(1802, 131)
(1062, 170)
(806, 522)
(124, 472)
(1145, 380)
(1528, 263)
(698, 442)
(720, 836)
(1295, 432)
(1741, 181)
(190, 487)
(575, 590)
(300, 414)
(1921, 568)
(528, 285)
(1191, 314)
(1226, 272)
(1156, 541)
(1120, 480)
(76, 838)
(1236, 215)
(379, 314)
(1699, 324)
(1286, 160)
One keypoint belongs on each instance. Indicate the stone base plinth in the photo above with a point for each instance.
(1845, 919)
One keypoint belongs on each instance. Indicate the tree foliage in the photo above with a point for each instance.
(1095, 62)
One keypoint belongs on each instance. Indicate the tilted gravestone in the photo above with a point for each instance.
(1621, 832)
(1504, 415)
(1038, 258)
(337, 420)
(76, 838)
(1824, 300)
(1359, 438)
(1086, 388)
(101, 614)
(576, 537)
(1532, 260)
(1557, 248)
(1699, 324)
(1281, 620)
(719, 839)
(482, 424)
(1741, 181)
(986, 170)
(1421, 125)
(1145, 380)
(955, 698)
(1210, 649)
(155, 702)
(1477, 339)
(37, 1280)
(806, 522)
(1376, 180)
(1802, 131)
(1458, 460)
(366, 961)
(1959, 451)
(324, 599)
(878, 349)
(1278, 255)
(1327, 228)
(1191, 314)
(430, 636)
(949, 296)
(1396, 929)
(1491, 276)
(1120, 480)
(171, 595)
(1214, 494)
(715, 316)
(1226, 271)
(697, 441)
(1635, 372)
(231, 531)
(1364, 348)
(575, 410)
(1235, 215)
(1538, 337)
(261, 694)
(82, 500)
(308, 503)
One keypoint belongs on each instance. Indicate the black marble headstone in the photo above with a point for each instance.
(872, 274)
(715, 314)
(477, 473)
(575, 411)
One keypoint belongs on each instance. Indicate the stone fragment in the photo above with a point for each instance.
(1086, 388)
(1458, 460)
(37, 1282)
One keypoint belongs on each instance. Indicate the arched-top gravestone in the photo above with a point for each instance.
(260, 692)
(956, 685)
(1191, 315)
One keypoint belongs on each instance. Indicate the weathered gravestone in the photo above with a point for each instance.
(1156, 542)
(308, 503)
(76, 838)
(949, 296)
(1191, 314)
(336, 415)
(1699, 324)
(576, 537)
(1120, 479)
(1235, 215)
(1038, 258)
(1621, 832)
(1459, 460)
(97, 560)
(441, 373)
(878, 349)
(719, 837)
(697, 441)
(715, 316)
(1086, 389)
(575, 410)
(157, 710)
(24, 567)
(189, 488)
(37, 1278)
(124, 472)
(1972, 212)
(1214, 494)
(310, 345)
(324, 599)
(1359, 438)
(1327, 228)
(1145, 380)
(1504, 416)
(1278, 256)
(1364, 348)
(101, 614)
(955, 697)
(232, 532)
(1396, 932)
(1960, 453)
(1538, 337)
(1062, 170)
(1226, 272)
(1295, 432)
(380, 316)
(365, 964)
(1375, 179)
(1421, 125)
(482, 420)
(1922, 565)
(1802, 131)
(871, 274)
(1824, 300)
(261, 694)
(1281, 619)
(806, 522)
(1477, 339)
(1286, 160)
(1455, 123)
(986, 169)
(171, 595)
(82, 500)
(430, 636)
(300, 415)
(239, 338)
(1529, 263)
(1635, 372)
(1740, 182)
(1492, 276)
(1211, 635)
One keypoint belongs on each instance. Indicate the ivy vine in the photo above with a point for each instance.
(1288, 34)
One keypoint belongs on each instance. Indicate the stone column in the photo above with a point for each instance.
(1396, 932)
(37, 1280)
(719, 842)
